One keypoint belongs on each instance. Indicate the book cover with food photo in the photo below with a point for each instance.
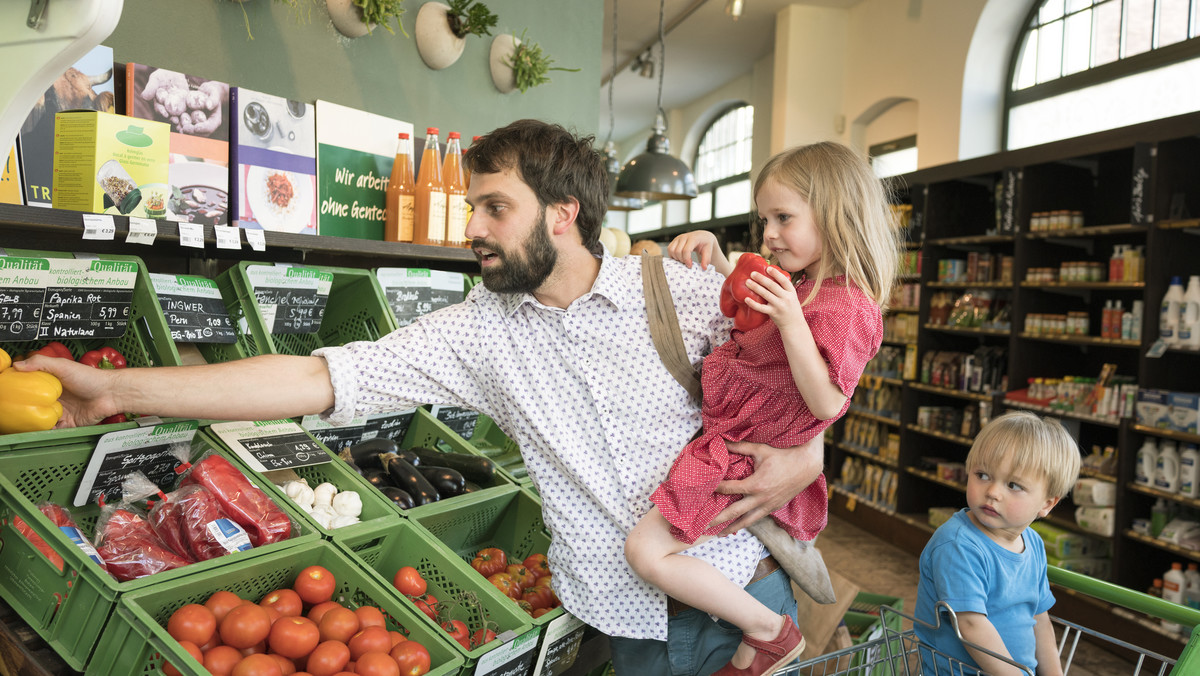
(273, 160)
(355, 150)
(198, 111)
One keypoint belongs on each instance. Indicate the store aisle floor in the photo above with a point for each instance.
(878, 567)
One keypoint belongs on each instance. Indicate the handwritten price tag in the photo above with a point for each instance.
(257, 239)
(191, 234)
(228, 237)
(141, 231)
(98, 226)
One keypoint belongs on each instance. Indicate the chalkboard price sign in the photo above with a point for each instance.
(336, 437)
(560, 646)
(20, 313)
(461, 420)
(390, 425)
(412, 292)
(291, 299)
(193, 309)
(148, 450)
(272, 444)
(49, 298)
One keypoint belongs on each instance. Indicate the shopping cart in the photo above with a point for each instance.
(896, 652)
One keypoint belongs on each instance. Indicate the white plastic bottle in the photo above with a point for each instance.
(1174, 583)
(1166, 470)
(1189, 315)
(1191, 590)
(1147, 462)
(1139, 307)
(1189, 474)
(1168, 319)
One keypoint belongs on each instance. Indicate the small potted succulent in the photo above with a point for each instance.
(517, 63)
(356, 18)
(442, 30)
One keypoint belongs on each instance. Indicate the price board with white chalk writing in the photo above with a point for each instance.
(291, 299)
(193, 309)
(149, 450)
(268, 445)
(49, 298)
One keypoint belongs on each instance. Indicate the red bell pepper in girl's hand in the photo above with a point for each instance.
(104, 358)
(734, 292)
(54, 349)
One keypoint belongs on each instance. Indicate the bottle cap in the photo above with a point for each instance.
(403, 134)
(1176, 280)
(453, 134)
(1177, 566)
(431, 131)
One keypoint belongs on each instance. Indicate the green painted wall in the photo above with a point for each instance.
(381, 73)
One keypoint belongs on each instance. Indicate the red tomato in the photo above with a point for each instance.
(221, 660)
(428, 604)
(338, 624)
(257, 665)
(543, 581)
(412, 657)
(245, 626)
(315, 585)
(294, 637)
(481, 637)
(456, 628)
(272, 612)
(540, 611)
(490, 561)
(220, 603)
(192, 622)
(396, 637)
(408, 581)
(376, 664)
(286, 601)
(192, 649)
(318, 611)
(286, 666)
(370, 616)
(506, 584)
(521, 575)
(212, 643)
(538, 597)
(328, 658)
(538, 564)
(256, 649)
(369, 640)
(524, 605)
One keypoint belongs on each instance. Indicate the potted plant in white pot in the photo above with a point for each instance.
(356, 18)
(442, 30)
(517, 63)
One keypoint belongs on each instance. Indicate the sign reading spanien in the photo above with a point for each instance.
(47, 298)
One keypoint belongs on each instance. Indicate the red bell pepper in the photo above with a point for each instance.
(53, 349)
(103, 358)
(734, 292)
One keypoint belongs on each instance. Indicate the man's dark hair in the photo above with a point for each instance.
(554, 163)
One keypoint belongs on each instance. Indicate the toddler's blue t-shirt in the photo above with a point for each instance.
(965, 568)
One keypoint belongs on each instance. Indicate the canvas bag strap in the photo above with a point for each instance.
(664, 325)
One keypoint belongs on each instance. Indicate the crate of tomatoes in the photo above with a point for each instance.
(297, 309)
(431, 579)
(66, 566)
(309, 609)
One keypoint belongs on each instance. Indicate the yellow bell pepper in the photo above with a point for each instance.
(28, 399)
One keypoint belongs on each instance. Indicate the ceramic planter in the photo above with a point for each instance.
(438, 45)
(347, 18)
(503, 48)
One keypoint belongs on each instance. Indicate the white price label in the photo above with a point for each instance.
(191, 234)
(257, 239)
(99, 226)
(228, 237)
(141, 231)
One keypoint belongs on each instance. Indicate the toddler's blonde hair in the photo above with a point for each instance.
(1037, 446)
(850, 207)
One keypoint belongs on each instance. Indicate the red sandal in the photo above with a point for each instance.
(770, 656)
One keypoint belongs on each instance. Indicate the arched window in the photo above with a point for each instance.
(722, 166)
(1082, 66)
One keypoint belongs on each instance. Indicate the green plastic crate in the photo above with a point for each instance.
(429, 432)
(384, 550)
(147, 339)
(375, 508)
(509, 519)
(356, 310)
(493, 443)
(136, 641)
(69, 608)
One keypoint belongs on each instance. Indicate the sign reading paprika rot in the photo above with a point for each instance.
(47, 298)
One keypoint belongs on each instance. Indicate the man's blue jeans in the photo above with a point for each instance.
(695, 645)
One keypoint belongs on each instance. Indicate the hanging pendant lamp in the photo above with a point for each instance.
(656, 174)
(612, 166)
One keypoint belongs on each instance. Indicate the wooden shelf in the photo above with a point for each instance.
(851, 495)
(1084, 285)
(903, 309)
(872, 457)
(970, 285)
(966, 330)
(1090, 231)
(930, 476)
(1183, 350)
(1167, 434)
(1069, 524)
(1161, 544)
(971, 239)
(946, 391)
(866, 380)
(965, 441)
(1184, 224)
(1159, 493)
(1096, 474)
(899, 343)
(909, 276)
(864, 413)
(1030, 406)
(1081, 340)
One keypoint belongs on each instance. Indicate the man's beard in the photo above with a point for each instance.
(525, 273)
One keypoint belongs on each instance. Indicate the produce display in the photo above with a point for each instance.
(28, 399)
(418, 476)
(526, 582)
(328, 506)
(297, 630)
(409, 582)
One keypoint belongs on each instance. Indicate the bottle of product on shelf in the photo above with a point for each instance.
(1139, 308)
(1127, 325)
(1166, 470)
(1147, 461)
(1173, 586)
(1191, 590)
(429, 220)
(1159, 514)
(398, 211)
(1168, 320)
(1116, 264)
(1189, 315)
(1156, 588)
(456, 193)
(1189, 471)
(1106, 319)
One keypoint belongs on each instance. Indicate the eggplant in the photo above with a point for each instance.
(399, 497)
(447, 482)
(471, 487)
(365, 454)
(473, 467)
(408, 456)
(378, 478)
(357, 470)
(406, 477)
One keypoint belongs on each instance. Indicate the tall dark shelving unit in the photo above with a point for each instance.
(1138, 186)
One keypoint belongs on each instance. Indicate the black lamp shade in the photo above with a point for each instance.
(656, 175)
(613, 167)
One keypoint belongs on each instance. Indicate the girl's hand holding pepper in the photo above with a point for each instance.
(781, 302)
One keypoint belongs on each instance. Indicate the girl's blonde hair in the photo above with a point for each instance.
(1036, 446)
(850, 206)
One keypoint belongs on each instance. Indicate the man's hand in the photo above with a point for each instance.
(87, 396)
(780, 474)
